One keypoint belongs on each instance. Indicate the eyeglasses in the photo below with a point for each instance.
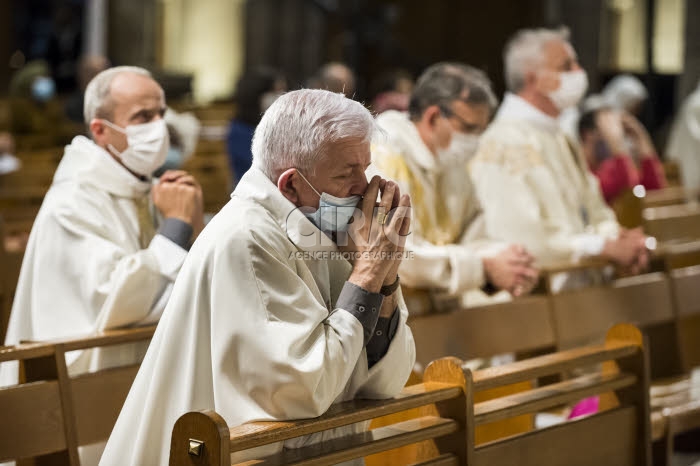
(464, 125)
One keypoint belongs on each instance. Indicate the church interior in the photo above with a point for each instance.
(374, 232)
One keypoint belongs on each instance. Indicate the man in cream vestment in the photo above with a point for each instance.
(532, 181)
(267, 321)
(97, 257)
(427, 151)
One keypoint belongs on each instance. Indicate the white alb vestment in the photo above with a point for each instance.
(536, 189)
(684, 142)
(90, 264)
(252, 331)
(448, 238)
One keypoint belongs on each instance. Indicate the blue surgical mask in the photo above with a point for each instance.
(43, 89)
(333, 213)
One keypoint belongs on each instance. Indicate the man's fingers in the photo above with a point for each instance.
(172, 175)
(370, 197)
(188, 180)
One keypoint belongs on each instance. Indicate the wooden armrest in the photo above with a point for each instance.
(550, 364)
(550, 396)
(362, 444)
(22, 352)
(256, 434)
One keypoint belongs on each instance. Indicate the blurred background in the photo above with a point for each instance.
(200, 49)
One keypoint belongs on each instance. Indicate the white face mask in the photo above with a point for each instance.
(333, 213)
(461, 149)
(572, 88)
(148, 146)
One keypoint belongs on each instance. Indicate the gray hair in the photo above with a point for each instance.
(98, 102)
(301, 127)
(525, 52)
(443, 83)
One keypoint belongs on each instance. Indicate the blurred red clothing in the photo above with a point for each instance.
(618, 173)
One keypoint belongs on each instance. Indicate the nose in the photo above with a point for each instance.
(360, 184)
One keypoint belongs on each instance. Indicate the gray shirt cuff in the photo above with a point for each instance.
(384, 332)
(363, 304)
(177, 231)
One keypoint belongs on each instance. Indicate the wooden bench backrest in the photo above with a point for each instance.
(672, 222)
(618, 436)
(203, 438)
(480, 332)
(36, 422)
(89, 403)
(582, 316)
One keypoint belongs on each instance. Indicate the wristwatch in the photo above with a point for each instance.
(388, 290)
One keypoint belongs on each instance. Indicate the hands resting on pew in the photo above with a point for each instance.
(179, 195)
(512, 270)
(628, 251)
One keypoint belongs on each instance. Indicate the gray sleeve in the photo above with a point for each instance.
(384, 332)
(363, 304)
(177, 231)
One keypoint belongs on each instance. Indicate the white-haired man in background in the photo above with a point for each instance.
(268, 320)
(427, 151)
(532, 181)
(107, 243)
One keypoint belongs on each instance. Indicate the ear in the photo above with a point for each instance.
(286, 184)
(98, 131)
(431, 115)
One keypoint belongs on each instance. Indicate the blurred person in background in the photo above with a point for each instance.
(684, 142)
(255, 92)
(88, 67)
(336, 77)
(392, 92)
(426, 151)
(603, 133)
(533, 182)
(626, 92)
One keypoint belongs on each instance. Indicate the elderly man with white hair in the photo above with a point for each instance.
(532, 181)
(108, 242)
(290, 299)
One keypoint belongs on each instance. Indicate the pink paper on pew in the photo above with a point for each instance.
(585, 407)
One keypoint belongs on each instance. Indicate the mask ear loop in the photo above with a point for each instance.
(307, 182)
(110, 147)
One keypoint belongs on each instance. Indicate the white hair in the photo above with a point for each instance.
(525, 52)
(301, 128)
(98, 102)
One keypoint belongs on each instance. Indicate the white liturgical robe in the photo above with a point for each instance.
(91, 263)
(448, 237)
(253, 332)
(536, 189)
(684, 141)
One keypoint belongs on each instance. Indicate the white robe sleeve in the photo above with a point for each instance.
(117, 286)
(284, 349)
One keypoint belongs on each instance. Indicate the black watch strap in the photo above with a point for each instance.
(388, 290)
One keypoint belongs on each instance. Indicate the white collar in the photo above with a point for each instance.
(87, 163)
(515, 107)
(257, 187)
(402, 132)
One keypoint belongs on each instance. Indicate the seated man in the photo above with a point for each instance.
(97, 257)
(426, 151)
(268, 320)
(532, 181)
(603, 139)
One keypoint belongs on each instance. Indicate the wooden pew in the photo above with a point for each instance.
(629, 205)
(619, 436)
(54, 412)
(674, 222)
